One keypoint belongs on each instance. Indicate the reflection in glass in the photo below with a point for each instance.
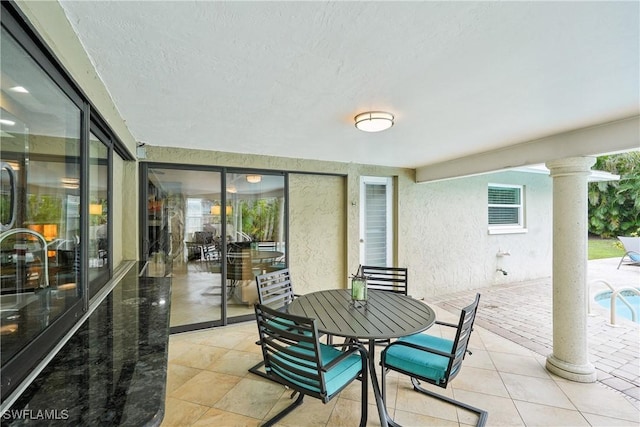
(191, 224)
(255, 231)
(39, 140)
(184, 240)
(98, 214)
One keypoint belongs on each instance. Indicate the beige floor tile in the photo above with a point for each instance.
(177, 375)
(542, 415)
(226, 339)
(410, 419)
(252, 398)
(603, 421)
(409, 400)
(501, 410)
(177, 347)
(486, 381)
(354, 391)
(493, 342)
(536, 390)
(347, 413)
(312, 412)
(249, 345)
(206, 388)
(235, 363)
(186, 353)
(518, 364)
(479, 359)
(217, 417)
(594, 398)
(179, 413)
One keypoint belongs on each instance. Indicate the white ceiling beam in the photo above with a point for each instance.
(617, 136)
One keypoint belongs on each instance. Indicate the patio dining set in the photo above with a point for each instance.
(383, 314)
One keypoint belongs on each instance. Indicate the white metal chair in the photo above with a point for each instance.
(632, 250)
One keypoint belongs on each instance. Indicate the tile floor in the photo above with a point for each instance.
(208, 385)
(522, 313)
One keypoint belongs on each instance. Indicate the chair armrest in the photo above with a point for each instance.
(446, 324)
(355, 348)
(417, 347)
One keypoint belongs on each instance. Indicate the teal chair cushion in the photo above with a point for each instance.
(418, 362)
(337, 377)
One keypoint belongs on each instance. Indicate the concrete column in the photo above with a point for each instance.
(570, 353)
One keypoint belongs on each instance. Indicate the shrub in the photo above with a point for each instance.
(614, 206)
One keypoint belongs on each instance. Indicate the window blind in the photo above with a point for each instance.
(376, 225)
(505, 205)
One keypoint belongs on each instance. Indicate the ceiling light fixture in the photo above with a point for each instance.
(374, 121)
(7, 122)
(254, 179)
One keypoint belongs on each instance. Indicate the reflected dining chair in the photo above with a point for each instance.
(294, 357)
(433, 359)
(275, 289)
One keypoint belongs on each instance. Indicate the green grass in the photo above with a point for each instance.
(604, 248)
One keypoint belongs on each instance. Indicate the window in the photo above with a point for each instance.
(506, 209)
(40, 151)
(55, 192)
(99, 236)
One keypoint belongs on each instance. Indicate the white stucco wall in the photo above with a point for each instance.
(444, 239)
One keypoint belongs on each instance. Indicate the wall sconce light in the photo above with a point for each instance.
(374, 121)
(95, 209)
(254, 179)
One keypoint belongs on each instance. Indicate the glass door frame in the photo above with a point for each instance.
(144, 168)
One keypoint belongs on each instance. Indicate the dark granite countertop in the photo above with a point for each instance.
(113, 370)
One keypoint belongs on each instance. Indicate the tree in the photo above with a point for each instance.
(614, 206)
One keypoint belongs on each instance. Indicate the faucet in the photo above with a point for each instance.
(504, 272)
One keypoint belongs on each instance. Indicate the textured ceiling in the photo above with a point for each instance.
(286, 78)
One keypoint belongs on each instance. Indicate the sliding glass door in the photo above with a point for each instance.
(212, 242)
(256, 233)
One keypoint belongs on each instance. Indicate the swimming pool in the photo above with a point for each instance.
(622, 310)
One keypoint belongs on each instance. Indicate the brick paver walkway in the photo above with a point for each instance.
(521, 312)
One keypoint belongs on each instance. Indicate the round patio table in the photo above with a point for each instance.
(385, 315)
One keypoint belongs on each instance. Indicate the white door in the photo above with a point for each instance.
(376, 221)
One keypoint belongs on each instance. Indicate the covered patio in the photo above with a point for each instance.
(505, 375)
